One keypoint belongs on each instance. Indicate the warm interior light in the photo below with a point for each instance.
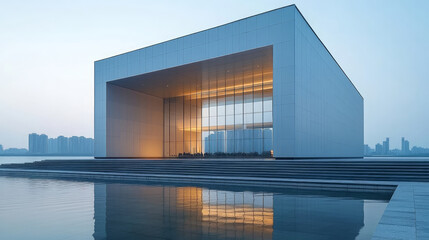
(231, 90)
(223, 212)
(221, 84)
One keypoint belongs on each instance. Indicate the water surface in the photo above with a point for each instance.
(32, 208)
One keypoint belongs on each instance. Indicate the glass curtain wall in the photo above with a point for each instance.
(227, 112)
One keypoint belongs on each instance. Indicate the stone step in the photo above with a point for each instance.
(320, 169)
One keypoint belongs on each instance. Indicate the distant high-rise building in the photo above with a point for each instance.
(405, 146)
(367, 150)
(378, 149)
(53, 146)
(386, 149)
(63, 145)
(41, 144)
(74, 144)
(38, 144)
(419, 150)
(32, 142)
(1, 148)
(80, 146)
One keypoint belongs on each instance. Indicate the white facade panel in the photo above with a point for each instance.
(328, 108)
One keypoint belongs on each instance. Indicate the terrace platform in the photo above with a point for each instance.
(406, 170)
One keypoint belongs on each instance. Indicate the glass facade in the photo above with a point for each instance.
(226, 111)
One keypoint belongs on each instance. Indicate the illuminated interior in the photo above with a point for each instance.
(219, 107)
(227, 112)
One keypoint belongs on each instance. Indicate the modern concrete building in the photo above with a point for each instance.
(261, 86)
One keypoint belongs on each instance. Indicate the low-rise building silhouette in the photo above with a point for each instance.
(15, 151)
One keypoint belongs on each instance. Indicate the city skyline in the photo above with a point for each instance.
(384, 149)
(41, 144)
(372, 48)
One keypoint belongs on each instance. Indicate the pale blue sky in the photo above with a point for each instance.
(47, 50)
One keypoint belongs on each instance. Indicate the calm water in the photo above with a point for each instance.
(46, 209)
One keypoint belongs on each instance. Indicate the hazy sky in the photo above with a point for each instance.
(48, 48)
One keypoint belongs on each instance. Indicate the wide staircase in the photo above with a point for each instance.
(346, 169)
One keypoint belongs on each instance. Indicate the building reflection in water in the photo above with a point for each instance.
(128, 211)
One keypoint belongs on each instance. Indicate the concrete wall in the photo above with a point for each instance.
(134, 123)
(328, 108)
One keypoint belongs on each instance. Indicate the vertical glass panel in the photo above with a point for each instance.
(205, 146)
(230, 104)
(238, 103)
(248, 140)
(268, 118)
(213, 107)
(179, 148)
(257, 145)
(221, 106)
(221, 141)
(167, 149)
(199, 120)
(224, 108)
(187, 124)
(187, 147)
(172, 131)
(247, 145)
(257, 120)
(257, 133)
(248, 73)
(213, 142)
(205, 141)
(248, 119)
(238, 140)
(238, 121)
(248, 133)
(172, 149)
(229, 77)
(199, 106)
(257, 101)
(230, 141)
(268, 140)
(268, 105)
(205, 108)
(179, 122)
(166, 120)
(199, 148)
(193, 129)
(221, 122)
(268, 100)
(205, 122)
(229, 122)
(248, 100)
